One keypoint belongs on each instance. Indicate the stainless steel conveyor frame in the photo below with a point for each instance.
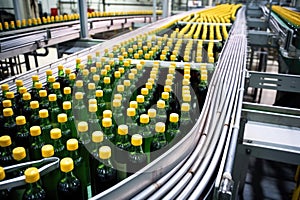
(188, 169)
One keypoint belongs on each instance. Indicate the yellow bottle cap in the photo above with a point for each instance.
(122, 129)
(10, 95)
(160, 127)
(136, 140)
(144, 91)
(4, 87)
(107, 114)
(140, 99)
(7, 112)
(20, 120)
(34, 104)
(106, 80)
(19, 153)
(60, 67)
(144, 119)
(79, 83)
(106, 122)
(47, 151)
(117, 74)
(162, 57)
(133, 104)
(32, 175)
(55, 133)
(96, 78)
(6, 103)
(51, 79)
(35, 78)
(68, 71)
(66, 165)
(85, 72)
(170, 76)
(83, 127)
(67, 90)
(131, 76)
(22, 90)
(116, 103)
(72, 144)
(56, 85)
(43, 113)
(92, 102)
(5, 141)
(131, 112)
(203, 77)
(161, 104)
(147, 56)
(99, 93)
(172, 57)
(118, 97)
(152, 113)
(67, 105)
(97, 136)
(52, 97)
(93, 108)
(91, 86)
(72, 76)
(174, 117)
(78, 95)
(108, 67)
(61, 118)
(89, 57)
(19, 83)
(2, 174)
(136, 56)
(149, 86)
(185, 107)
(127, 83)
(43, 93)
(78, 60)
(169, 82)
(104, 152)
(185, 82)
(35, 131)
(49, 72)
(120, 88)
(186, 97)
(103, 72)
(186, 76)
(167, 88)
(121, 70)
(165, 95)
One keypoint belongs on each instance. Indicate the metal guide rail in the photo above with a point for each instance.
(188, 169)
(16, 42)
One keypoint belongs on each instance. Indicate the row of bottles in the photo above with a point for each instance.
(19, 24)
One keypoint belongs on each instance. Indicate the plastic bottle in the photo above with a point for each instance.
(108, 130)
(69, 186)
(10, 126)
(79, 109)
(54, 110)
(4, 194)
(50, 180)
(67, 107)
(34, 118)
(26, 111)
(23, 135)
(173, 127)
(137, 157)
(81, 165)
(106, 175)
(59, 147)
(44, 102)
(93, 120)
(34, 190)
(64, 127)
(6, 158)
(36, 143)
(159, 140)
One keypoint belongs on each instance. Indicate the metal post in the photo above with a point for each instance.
(297, 3)
(166, 8)
(154, 11)
(84, 32)
(17, 9)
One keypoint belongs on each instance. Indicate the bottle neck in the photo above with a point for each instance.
(45, 121)
(68, 112)
(64, 126)
(23, 128)
(53, 104)
(137, 149)
(32, 186)
(173, 125)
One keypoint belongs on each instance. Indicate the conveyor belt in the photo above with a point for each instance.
(189, 168)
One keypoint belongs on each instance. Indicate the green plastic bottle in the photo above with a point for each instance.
(57, 91)
(23, 135)
(152, 117)
(100, 103)
(93, 120)
(64, 127)
(107, 92)
(173, 127)
(108, 130)
(67, 94)
(141, 104)
(45, 125)
(81, 165)
(105, 175)
(4, 194)
(10, 126)
(44, 102)
(54, 110)
(34, 118)
(34, 190)
(84, 138)
(59, 147)
(11, 96)
(69, 186)
(6, 158)
(26, 111)
(121, 153)
(79, 109)
(36, 143)
(50, 180)
(145, 132)
(137, 157)
(67, 107)
(159, 140)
